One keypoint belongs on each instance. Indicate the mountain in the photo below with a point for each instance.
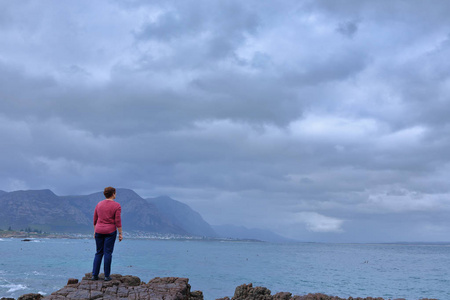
(241, 232)
(183, 216)
(43, 210)
(2, 192)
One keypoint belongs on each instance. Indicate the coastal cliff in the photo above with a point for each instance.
(167, 288)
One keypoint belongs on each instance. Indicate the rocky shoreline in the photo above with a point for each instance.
(167, 288)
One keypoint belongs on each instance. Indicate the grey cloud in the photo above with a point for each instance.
(347, 28)
(211, 31)
(338, 66)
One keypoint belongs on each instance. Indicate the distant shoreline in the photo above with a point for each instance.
(134, 236)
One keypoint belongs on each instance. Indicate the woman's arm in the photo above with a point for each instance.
(95, 219)
(118, 220)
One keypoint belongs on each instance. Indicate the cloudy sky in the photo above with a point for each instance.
(321, 120)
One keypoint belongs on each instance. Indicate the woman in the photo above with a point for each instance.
(106, 220)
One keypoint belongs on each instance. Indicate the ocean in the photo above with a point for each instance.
(218, 267)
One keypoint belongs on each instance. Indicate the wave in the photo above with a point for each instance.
(13, 287)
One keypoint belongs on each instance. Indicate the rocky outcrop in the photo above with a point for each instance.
(127, 287)
(167, 288)
(248, 292)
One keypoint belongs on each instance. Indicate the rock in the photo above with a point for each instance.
(126, 287)
(72, 281)
(130, 280)
(248, 292)
(30, 297)
(196, 295)
(282, 296)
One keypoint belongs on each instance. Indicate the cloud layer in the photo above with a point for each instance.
(324, 121)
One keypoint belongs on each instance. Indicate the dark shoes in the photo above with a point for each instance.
(106, 278)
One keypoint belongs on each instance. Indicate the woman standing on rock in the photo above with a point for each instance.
(106, 220)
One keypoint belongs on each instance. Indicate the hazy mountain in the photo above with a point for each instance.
(183, 216)
(2, 192)
(241, 232)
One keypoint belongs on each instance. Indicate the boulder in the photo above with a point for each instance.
(248, 292)
(30, 297)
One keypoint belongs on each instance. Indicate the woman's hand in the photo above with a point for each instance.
(120, 237)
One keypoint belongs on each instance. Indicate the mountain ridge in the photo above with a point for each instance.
(44, 210)
(182, 215)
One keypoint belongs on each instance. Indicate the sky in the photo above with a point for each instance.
(322, 121)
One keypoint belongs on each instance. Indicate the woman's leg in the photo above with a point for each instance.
(100, 243)
(110, 239)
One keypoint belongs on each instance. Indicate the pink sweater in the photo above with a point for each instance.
(107, 216)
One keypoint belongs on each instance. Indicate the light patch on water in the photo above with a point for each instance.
(13, 287)
(37, 273)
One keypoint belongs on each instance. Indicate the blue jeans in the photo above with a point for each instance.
(105, 247)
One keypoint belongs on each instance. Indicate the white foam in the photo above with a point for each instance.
(37, 273)
(13, 287)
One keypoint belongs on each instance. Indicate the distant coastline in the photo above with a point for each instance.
(133, 235)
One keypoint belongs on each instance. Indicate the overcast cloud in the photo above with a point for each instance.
(321, 120)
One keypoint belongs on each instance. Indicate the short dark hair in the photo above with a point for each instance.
(109, 191)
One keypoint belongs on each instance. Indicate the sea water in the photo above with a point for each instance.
(217, 267)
